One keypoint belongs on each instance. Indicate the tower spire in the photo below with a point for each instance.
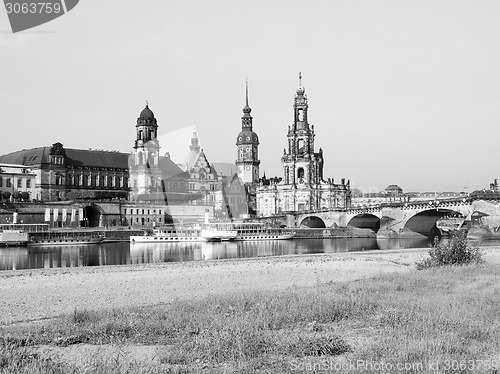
(246, 91)
(247, 109)
(300, 79)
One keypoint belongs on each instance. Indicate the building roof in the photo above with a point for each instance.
(74, 157)
(147, 113)
(169, 169)
(107, 159)
(33, 156)
(225, 168)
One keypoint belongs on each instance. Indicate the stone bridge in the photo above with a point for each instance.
(419, 217)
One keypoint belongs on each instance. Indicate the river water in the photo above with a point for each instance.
(124, 253)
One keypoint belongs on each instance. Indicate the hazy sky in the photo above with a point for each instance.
(400, 92)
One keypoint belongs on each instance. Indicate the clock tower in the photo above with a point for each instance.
(248, 148)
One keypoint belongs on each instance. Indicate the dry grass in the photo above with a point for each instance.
(428, 316)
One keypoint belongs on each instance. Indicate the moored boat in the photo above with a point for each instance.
(170, 235)
(218, 231)
(208, 232)
(13, 237)
(65, 240)
(260, 231)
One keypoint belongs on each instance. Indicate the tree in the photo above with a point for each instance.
(25, 196)
(6, 195)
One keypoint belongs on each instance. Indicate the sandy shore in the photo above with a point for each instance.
(45, 293)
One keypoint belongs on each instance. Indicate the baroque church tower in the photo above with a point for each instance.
(145, 173)
(303, 187)
(248, 147)
(301, 165)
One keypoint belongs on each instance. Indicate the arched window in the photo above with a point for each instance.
(300, 173)
(301, 146)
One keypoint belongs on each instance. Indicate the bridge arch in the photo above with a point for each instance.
(313, 222)
(365, 221)
(424, 222)
(92, 216)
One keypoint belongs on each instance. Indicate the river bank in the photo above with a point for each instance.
(46, 293)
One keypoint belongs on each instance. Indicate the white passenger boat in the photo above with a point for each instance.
(219, 231)
(171, 235)
(261, 231)
(12, 237)
(64, 240)
(208, 232)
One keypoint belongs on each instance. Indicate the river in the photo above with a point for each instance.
(124, 253)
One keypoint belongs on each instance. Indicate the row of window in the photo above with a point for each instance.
(93, 180)
(131, 211)
(212, 187)
(21, 182)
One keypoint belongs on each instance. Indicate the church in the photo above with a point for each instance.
(302, 186)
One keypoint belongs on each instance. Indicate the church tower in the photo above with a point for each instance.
(145, 174)
(248, 147)
(303, 186)
(302, 166)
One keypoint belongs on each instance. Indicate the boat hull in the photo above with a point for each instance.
(13, 238)
(265, 237)
(58, 242)
(165, 239)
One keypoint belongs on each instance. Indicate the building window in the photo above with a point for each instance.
(1, 182)
(125, 211)
(19, 183)
(8, 182)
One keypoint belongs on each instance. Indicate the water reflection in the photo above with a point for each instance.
(401, 243)
(14, 258)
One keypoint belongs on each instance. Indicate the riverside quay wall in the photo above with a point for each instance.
(75, 214)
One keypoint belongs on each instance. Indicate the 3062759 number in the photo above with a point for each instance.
(33, 7)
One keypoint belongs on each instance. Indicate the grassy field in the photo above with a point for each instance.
(420, 322)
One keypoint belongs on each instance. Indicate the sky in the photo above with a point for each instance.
(400, 92)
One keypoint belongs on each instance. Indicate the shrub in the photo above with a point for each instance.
(455, 251)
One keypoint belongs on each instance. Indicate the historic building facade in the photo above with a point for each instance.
(247, 163)
(17, 182)
(66, 174)
(144, 161)
(302, 186)
(203, 178)
(247, 144)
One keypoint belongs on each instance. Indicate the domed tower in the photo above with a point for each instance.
(248, 147)
(146, 127)
(145, 174)
(302, 166)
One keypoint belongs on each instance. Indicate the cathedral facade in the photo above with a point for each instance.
(302, 186)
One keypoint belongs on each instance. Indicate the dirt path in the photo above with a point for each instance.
(44, 293)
